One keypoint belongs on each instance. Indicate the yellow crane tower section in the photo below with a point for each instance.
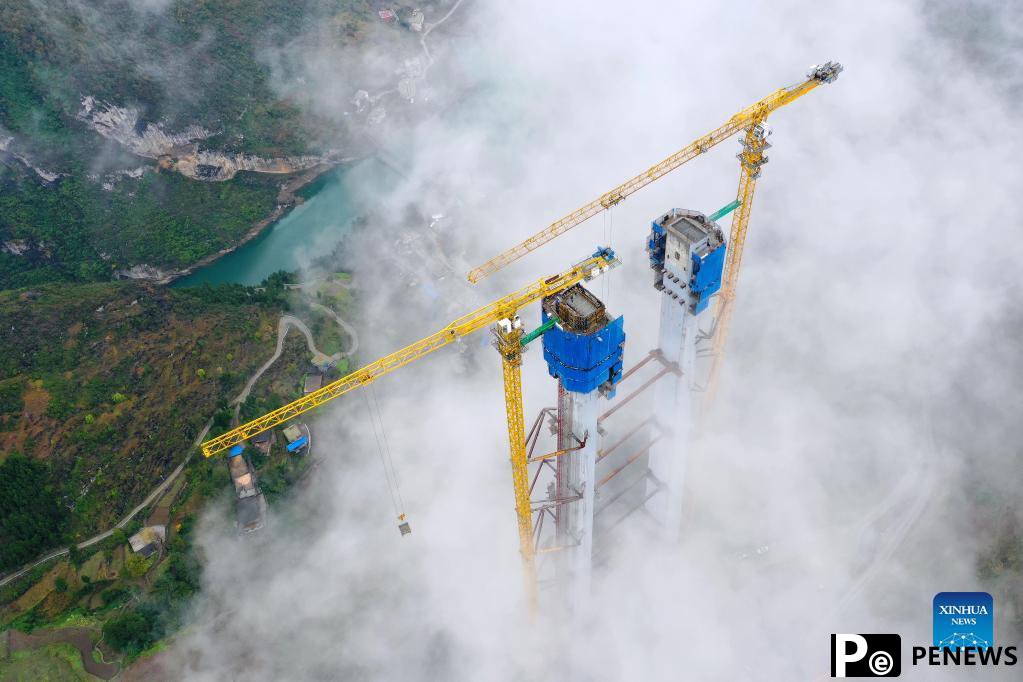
(751, 116)
(503, 313)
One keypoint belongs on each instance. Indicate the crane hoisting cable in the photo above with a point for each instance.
(386, 459)
(502, 315)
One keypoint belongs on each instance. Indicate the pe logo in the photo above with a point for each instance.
(964, 620)
(866, 655)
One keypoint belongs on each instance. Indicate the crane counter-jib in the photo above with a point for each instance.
(467, 324)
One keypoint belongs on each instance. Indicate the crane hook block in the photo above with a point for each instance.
(403, 526)
(826, 72)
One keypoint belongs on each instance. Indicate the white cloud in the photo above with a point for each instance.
(880, 253)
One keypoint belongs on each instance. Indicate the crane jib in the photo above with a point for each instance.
(467, 324)
(751, 115)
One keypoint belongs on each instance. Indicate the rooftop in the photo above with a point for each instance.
(145, 541)
(292, 433)
(579, 310)
(313, 382)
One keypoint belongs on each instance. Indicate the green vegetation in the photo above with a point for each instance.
(16, 588)
(191, 64)
(105, 384)
(85, 332)
(1000, 568)
(30, 517)
(131, 631)
(162, 610)
(108, 372)
(80, 232)
(137, 565)
(50, 662)
(280, 472)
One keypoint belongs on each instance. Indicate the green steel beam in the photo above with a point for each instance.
(539, 331)
(724, 210)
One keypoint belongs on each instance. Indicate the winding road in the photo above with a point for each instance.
(150, 498)
(283, 326)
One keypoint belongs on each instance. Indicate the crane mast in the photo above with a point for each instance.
(503, 308)
(751, 158)
(509, 345)
(745, 119)
(501, 313)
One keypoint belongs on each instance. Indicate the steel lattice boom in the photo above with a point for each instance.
(467, 324)
(502, 313)
(743, 120)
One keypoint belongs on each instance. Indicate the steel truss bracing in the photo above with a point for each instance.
(502, 316)
(503, 308)
(754, 114)
(509, 345)
(751, 159)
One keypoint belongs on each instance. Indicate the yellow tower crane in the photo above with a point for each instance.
(751, 158)
(502, 315)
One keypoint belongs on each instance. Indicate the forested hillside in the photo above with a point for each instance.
(107, 384)
(75, 206)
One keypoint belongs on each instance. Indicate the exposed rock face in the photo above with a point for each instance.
(179, 151)
(15, 247)
(207, 165)
(6, 147)
(147, 272)
(123, 125)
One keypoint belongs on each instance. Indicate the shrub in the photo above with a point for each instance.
(30, 518)
(137, 565)
(132, 631)
(113, 595)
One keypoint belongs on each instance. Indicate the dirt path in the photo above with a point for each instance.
(426, 32)
(153, 495)
(284, 325)
(345, 327)
(80, 638)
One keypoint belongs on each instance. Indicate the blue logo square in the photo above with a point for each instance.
(964, 620)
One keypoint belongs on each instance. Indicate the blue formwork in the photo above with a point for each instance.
(236, 450)
(655, 244)
(584, 362)
(707, 276)
(706, 269)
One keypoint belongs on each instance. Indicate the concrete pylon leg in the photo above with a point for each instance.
(687, 251)
(578, 472)
(673, 412)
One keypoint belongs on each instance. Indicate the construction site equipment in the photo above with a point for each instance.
(584, 353)
(539, 331)
(747, 119)
(502, 316)
(687, 254)
(724, 210)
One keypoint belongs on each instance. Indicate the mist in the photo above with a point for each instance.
(869, 402)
